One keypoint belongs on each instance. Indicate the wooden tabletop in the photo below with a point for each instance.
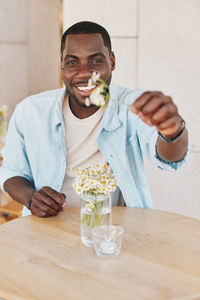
(44, 259)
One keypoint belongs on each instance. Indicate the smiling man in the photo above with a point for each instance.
(54, 132)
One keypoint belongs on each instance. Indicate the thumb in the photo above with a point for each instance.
(132, 109)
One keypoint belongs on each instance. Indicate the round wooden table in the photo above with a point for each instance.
(45, 259)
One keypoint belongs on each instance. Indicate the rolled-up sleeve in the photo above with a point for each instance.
(15, 159)
(148, 141)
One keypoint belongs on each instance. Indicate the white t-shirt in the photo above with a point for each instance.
(82, 149)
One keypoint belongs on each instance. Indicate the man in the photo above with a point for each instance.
(53, 132)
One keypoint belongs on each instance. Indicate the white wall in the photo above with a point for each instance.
(157, 46)
(169, 60)
(29, 48)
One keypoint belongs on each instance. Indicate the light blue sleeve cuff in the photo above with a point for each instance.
(160, 162)
(26, 211)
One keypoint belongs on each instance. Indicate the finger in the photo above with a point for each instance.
(147, 111)
(48, 211)
(65, 203)
(57, 197)
(154, 103)
(163, 113)
(42, 197)
(63, 195)
(138, 104)
(37, 212)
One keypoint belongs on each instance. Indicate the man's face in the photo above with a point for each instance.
(83, 54)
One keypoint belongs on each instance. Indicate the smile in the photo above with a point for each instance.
(85, 88)
(85, 91)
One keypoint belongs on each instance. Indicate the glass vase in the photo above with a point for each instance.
(95, 210)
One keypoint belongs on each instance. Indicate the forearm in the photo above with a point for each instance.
(20, 189)
(158, 110)
(173, 151)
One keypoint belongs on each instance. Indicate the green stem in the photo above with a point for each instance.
(97, 221)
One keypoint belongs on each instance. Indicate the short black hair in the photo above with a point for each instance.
(88, 28)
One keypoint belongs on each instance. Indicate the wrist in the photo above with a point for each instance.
(176, 136)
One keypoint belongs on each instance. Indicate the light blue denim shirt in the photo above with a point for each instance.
(35, 144)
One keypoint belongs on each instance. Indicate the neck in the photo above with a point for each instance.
(80, 111)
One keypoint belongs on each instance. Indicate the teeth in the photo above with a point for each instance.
(84, 88)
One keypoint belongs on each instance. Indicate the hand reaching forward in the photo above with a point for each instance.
(158, 110)
(47, 202)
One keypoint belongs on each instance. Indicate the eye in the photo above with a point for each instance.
(97, 61)
(71, 63)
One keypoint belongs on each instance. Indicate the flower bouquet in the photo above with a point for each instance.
(94, 185)
(100, 92)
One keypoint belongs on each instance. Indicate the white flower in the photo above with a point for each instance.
(90, 206)
(95, 77)
(90, 84)
(100, 89)
(86, 187)
(74, 185)
(94, 181)
(100, 94)
(87, 102)
(79, 190)
(97, 99)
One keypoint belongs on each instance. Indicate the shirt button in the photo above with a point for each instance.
(56, 185)
(63, 158)
(111, 155)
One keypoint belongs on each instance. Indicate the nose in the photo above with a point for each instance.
(85, 71)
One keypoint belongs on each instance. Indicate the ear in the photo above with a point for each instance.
(112, 60)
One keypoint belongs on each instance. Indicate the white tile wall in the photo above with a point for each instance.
(29, 48)
(44, 45)
(13, 52)
(125, 53)
(118, 17)
(13, 74)
(169, 60)
(13, 20)
(177, 191)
